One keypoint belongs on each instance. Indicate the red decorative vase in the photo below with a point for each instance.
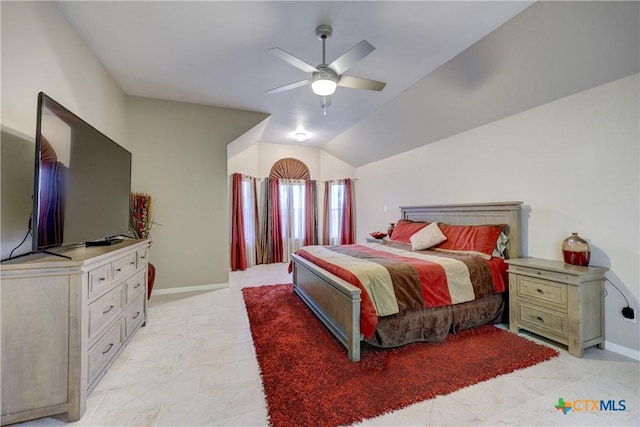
(151, 277)
(575, 250)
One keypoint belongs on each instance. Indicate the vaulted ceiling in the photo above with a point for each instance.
(216, 53)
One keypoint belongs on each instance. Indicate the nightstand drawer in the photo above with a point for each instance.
(542, 291)
(539, 273)
(543, 320)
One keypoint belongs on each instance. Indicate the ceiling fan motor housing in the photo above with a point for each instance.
(323, 31)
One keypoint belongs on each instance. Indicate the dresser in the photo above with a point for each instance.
(63, 324)
(562, 302)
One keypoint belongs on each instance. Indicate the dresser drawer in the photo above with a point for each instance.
(542, 291)
(99, 281)
(134, 315)
(104, 350)
(538, 319)
(124, 267)
(141, 258)
(135, 286)
(104, 310)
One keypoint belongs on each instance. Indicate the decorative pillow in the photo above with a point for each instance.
(472, 238)
(406, 228)
(501, 245)
(427, 237)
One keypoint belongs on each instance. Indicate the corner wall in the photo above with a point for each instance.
(180, 158)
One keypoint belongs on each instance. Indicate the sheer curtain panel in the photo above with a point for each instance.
(339, 213)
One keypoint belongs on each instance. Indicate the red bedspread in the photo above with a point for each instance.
(393, 280)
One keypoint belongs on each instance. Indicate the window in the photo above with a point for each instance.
(336, 203)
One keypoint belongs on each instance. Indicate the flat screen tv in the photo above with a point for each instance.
(82, 182)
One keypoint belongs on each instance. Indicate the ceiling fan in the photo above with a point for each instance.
(324, 78)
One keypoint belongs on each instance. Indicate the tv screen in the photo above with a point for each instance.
(82, 181)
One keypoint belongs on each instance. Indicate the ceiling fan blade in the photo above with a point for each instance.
(296, 62)
(351, 57)
(289, 86)
(360, 83)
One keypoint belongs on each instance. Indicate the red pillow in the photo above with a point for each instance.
(406, 228)
(477, 238)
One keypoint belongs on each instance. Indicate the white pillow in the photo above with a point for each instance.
(429, 236)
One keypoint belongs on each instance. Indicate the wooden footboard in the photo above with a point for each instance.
(334, 301)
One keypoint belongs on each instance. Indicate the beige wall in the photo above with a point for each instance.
(180, 158)
(40, 52)
(574, 164)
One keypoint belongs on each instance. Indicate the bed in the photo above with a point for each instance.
(339, 304)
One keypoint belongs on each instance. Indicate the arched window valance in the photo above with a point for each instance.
(289, 168)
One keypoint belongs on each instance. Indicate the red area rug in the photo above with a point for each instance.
(309, 380)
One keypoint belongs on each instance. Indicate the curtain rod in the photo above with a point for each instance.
(297, 180)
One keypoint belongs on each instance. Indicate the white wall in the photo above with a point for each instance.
(180, 158)
(573, 162)
(258, 159)
(245, 162)
(41, 52)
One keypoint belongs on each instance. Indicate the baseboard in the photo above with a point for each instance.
(625, 351)
(184, 289)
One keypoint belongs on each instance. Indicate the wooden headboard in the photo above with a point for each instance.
(473, 214)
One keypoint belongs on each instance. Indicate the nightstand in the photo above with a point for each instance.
(372, 240)
(562, 302)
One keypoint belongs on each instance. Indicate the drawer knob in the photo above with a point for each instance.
(118, 270)
(102, 279)
(108, 309)
(131, 263)
(136, 316)
(540, 291)
(540, 319)
(108, 349)
(137, 286)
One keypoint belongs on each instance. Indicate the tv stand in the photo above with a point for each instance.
(64, 322)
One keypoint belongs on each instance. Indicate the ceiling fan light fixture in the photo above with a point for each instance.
(324, 81)
(300, 136)
(324, 86)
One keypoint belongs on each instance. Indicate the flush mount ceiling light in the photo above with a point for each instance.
(300, 136)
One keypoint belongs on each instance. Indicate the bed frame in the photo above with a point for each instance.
(337, 303)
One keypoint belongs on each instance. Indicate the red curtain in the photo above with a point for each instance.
(238, 249)
(347, 229)
(276, 251)
(310, 213)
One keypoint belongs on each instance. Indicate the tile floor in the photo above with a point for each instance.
(194, 365)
